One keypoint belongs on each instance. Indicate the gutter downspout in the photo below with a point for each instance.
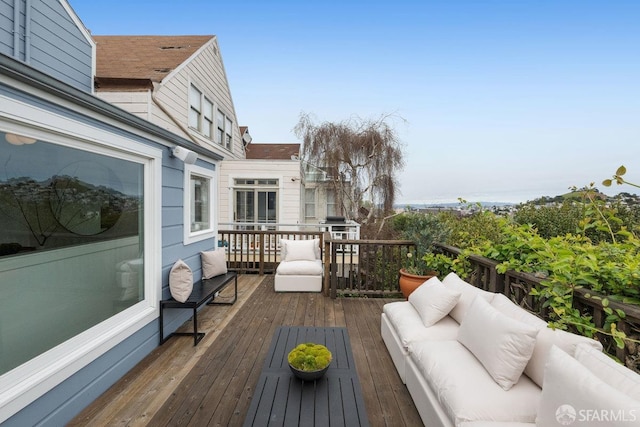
(16, 29)
(27, 32)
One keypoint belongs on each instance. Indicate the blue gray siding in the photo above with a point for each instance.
(48, 40)
(61, 404)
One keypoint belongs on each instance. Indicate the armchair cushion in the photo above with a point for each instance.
(300, 268)
(299, 250)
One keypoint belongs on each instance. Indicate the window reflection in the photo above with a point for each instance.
(71, 243)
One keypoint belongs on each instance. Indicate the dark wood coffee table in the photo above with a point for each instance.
(283, 400)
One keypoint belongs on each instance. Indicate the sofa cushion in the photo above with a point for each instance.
(609, 371)
(214, 263)
(180, 281)
(468, 293)
(464, 388)
(503, 345)
(570, 389)
(300, 268)
(494, 424)
(504, 305)
(545, 339)
(432, 300)
(299, 250)
(408, 324)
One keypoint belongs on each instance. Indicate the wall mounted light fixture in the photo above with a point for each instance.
(187, 156)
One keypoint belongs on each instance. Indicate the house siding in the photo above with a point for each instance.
(286, 171)
(205, 70)
(51, 41)
(134, 102)
(60, 404)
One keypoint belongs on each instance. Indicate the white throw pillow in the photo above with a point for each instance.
(180, 281)
(573, 395)
(299, 250)
(214, 263)
(469, 293)
(546, 338)
(609, 371)
(503, 345)
(504, 305)
(432, 300)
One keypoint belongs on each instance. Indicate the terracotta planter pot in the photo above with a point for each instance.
(409, 282)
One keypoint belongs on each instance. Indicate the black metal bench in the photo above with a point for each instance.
(203, 292)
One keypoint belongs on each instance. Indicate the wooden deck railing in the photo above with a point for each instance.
(517, 286)
(371, 268)
(365, 267)
(258, 251)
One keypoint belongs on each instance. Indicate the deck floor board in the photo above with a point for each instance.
(212, 384)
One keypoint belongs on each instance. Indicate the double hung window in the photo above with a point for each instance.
(199, 210)
(200, 112)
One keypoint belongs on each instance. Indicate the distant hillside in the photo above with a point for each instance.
(628, 198)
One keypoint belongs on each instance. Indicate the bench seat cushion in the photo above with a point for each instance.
(465, 389)
(409, 326)
(300, 268)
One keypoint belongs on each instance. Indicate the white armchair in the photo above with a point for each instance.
(300, 268)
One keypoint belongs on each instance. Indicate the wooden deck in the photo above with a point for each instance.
(212, 384)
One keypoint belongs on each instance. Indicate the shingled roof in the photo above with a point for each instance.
(272, 151)
(145, 58)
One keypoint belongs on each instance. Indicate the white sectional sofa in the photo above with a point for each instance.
(300, 268)
(472, 358)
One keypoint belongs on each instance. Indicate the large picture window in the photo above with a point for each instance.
(199, 199)
(71, 243)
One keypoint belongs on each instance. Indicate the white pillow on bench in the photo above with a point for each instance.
(180, 281)
(214, 263)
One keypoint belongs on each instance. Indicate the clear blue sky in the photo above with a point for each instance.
(502, 100)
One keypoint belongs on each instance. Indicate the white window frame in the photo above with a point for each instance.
(310, 203)
(31, 380)
(193, 108)
(224, 129)
(200, 172)
(205, 116)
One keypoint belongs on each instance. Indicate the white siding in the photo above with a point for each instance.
(206, 71)
(286, 171)
(134, 102)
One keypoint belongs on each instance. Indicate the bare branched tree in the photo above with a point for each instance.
(362, 158)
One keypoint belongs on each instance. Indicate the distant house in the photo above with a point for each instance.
(179, 83)
(264, 188)
(176, 82)
(94, 208)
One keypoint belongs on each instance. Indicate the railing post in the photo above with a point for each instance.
(334, 271)
(326, 262)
